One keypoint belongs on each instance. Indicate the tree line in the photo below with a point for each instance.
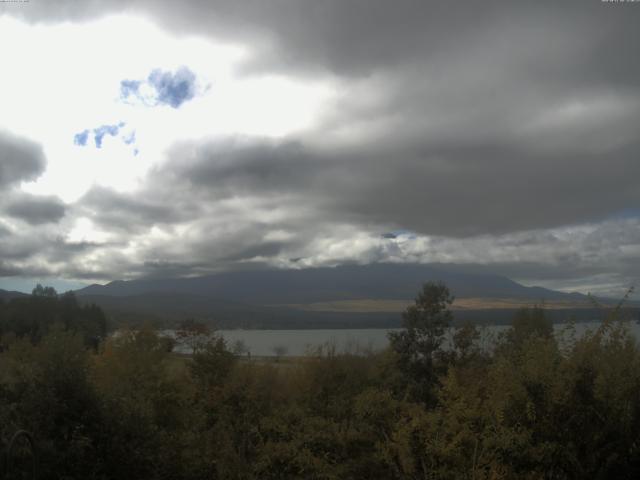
(531, 404)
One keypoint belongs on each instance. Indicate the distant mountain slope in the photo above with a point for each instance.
(8, 295)
(347, 296)
(377, 281)
(165, 309)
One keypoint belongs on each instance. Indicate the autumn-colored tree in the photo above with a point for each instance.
(193, 334)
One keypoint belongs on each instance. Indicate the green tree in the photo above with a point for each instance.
(40, 291)
(417, 346)
(35, 315)
(212, 363)
(47, 390)
(465, 341)
(529, 322)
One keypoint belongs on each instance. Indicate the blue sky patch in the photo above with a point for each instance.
(399, 233)
(81, 138)
(100, 132)
(129, 87)
(626, 213)
(173, 88)
(162, 87)
(129, 138)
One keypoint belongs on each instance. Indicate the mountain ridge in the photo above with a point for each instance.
(350, 296)
(375, 281)
(11, 294)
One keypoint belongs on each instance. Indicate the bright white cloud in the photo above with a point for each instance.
(65, 79)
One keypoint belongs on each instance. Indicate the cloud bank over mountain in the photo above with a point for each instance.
(500, 136)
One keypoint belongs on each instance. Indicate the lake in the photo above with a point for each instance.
(299, 342)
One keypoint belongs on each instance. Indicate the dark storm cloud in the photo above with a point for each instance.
(35, 209)
(248, 189)
(8, 270)
(492, 189)
(458, 121)
(21, 246)
(20, 159)
(240, 165)
(444, 189)
(361, 36)
(127, 212)
(259, 250)
(493, 128)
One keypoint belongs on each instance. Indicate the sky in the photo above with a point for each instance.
(156, 138)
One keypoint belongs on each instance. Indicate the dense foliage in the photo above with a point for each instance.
(530, 404)
(33, 316)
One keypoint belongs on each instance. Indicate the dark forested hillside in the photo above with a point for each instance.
(529, 403)
(33, 316)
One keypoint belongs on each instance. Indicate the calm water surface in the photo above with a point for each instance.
(300, 342)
